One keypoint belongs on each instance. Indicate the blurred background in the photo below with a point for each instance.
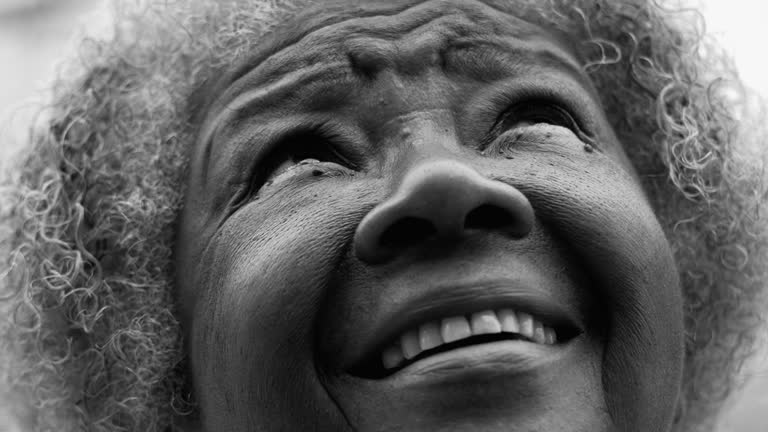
(35, 35)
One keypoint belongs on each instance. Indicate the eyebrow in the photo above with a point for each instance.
(292, 32)
(499, 62)
(499, 58)
(262, 96)
(295, 29)
(254, 87)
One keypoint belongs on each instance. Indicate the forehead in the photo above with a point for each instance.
(369, 35)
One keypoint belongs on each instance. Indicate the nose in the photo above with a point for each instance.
(440, 199)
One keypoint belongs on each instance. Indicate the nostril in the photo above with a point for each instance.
(488, 216)
(406, 231)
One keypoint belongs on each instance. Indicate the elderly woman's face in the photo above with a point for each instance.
(416, 217)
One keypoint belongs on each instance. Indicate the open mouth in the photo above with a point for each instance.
(458, 331)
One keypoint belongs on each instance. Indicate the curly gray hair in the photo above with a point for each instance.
(92, 340)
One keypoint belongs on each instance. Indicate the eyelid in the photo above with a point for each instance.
(500, 128)
(327, 139)
(340, 143)
(555, 89)
(573, 121)
(528, 109)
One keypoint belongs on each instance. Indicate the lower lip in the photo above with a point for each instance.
(493, 358)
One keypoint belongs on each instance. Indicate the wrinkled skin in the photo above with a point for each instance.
(330, 208)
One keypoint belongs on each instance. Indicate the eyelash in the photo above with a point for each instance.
(542, 112)
(296, 150)
(319, 144)
(535, 111)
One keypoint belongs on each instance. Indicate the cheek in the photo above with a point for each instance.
(600, 211)
(252, 334)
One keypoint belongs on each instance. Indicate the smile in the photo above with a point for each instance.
(460, 331)
(449, 321)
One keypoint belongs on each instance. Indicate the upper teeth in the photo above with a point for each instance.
(433, 334)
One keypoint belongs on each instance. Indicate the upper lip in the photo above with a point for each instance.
(463, 299)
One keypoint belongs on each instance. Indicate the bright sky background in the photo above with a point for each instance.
(742, 27)
(36, 34)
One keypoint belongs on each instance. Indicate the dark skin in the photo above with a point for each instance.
(379, 165)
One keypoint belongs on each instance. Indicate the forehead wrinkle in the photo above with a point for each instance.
(296, 29)
(277, 62)
(492, 60)
(286, 86)
(262, 98)
(277, 48)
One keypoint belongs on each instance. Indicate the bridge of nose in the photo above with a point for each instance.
(418, 136)
(408, 97)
